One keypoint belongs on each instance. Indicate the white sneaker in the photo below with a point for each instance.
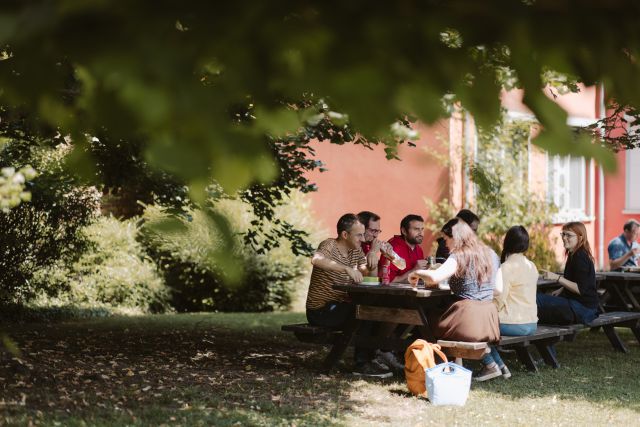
(390, 360)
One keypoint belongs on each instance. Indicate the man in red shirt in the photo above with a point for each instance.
(407, 245)
(372, 247)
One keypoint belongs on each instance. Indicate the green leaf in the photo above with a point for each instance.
(10, 345)
(421, 99)
(276, 122)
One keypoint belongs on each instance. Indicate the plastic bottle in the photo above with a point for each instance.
(397, 260)
(385, 273)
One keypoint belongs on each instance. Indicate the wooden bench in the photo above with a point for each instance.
(338, 340)
(542, 339)
(311, 334)
(608, 322)
(464, 349)
(305, 332)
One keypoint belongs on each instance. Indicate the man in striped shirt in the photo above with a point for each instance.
(340, 261)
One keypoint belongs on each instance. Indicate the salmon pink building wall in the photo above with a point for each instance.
(615, 185)
(615, 189)
(360, 179)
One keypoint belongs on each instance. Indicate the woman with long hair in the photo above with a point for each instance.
(471, 270)
(577, 300)
(515, 298)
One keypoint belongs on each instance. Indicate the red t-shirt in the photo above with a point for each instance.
(402, 248)
(366, 247)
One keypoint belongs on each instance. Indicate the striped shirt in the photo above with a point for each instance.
(320, 290)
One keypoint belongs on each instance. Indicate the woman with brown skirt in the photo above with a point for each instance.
(471, 270)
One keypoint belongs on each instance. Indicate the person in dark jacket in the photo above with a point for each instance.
(577, 300)
(442, 252)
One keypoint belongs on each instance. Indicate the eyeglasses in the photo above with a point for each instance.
(374, 231)
(566, 235)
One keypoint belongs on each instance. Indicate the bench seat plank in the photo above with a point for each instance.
(542, 339)
(542, 333)
(311, 334)
(462, 344)
(608, 322)
(613, 318)
(305, 328)
(464, 350)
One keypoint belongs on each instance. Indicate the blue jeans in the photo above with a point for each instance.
(335, 315)
(556, 310)
(508, 329)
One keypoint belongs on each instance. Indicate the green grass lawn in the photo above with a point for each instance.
(239, 369)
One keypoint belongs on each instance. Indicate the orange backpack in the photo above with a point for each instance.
(418, 358)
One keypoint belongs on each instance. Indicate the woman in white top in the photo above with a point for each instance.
(514, 296)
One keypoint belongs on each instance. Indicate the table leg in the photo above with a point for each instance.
(632, 298)
(524, 356)
(636, 331)
(425, 328)
(621, 296)
(614, 339)
(340, 344)
(544, 348)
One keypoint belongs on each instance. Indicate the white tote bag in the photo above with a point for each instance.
(448, 388)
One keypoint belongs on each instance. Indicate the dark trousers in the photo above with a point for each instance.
(556, 310)
(335, 315)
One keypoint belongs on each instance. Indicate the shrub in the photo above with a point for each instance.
(44, 231)
(198, 282)
(114, 272)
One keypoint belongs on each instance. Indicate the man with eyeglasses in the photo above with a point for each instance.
(341, 261)
(372, 247)
(624, 249)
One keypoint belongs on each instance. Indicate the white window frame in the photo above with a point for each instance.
(629, 182)
(559, 165)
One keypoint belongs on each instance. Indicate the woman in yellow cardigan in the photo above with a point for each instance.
(514, 296)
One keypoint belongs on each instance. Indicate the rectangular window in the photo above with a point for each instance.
(567, 187)
(633, 180)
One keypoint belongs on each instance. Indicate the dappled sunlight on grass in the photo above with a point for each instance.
(240, 369)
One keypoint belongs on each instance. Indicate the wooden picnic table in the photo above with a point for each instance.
(406, 305)
(621, 290)
(545, 285)
(396, 303)
(616, 290)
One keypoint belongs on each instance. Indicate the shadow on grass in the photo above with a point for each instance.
(402, 392)
(231, 369)
(240, 369)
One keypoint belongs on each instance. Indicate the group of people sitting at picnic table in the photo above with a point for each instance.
(491, 295)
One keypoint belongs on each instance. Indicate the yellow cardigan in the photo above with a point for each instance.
(515, 291)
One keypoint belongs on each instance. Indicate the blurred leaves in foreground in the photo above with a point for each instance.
(170, 73)
(231, 94)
